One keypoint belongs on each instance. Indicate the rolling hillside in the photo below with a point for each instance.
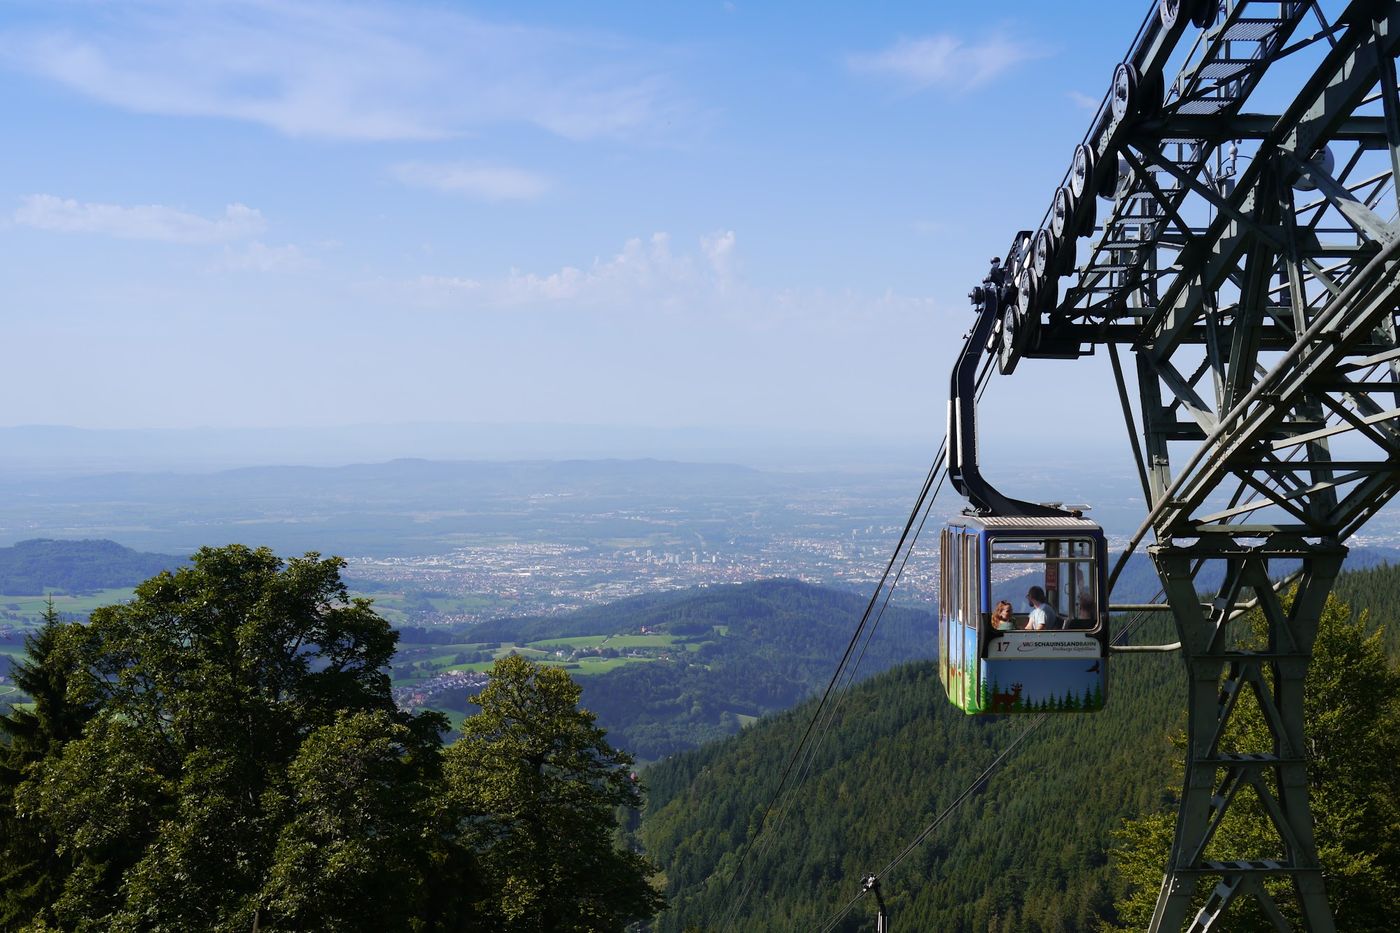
(692, 665)
(1028, 851)
(41, 565)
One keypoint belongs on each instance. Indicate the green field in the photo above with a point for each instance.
(437, 659)
(401, 608)
(578, 641)
(30, 608)
(593, 665)
(416, 663)
(610, 641)
(641, 641)
(413, 662)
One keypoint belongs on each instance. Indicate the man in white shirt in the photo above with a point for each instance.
(1043, 615)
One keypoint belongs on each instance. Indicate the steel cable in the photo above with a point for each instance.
(923, 504)
(1134, 623)
(750, 847)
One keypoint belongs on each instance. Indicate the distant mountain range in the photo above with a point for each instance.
(50, 449)
(414, 481)
(413, 507)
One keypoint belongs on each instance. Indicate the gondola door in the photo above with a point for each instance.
(971, 623)
(960, 618)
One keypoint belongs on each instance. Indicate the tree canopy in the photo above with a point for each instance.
(41, 565)
(30, 863)
(546, 784)
(222, 753)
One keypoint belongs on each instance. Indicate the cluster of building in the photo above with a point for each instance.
(513, 578)
(425, 692)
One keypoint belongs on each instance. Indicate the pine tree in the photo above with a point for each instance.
(1352, 705)
(31, 868)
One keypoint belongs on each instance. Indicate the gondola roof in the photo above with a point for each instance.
(1029, 523)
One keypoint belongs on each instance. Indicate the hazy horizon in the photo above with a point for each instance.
(66, 449)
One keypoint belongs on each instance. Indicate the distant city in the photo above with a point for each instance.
(542, 579)
(448, 542)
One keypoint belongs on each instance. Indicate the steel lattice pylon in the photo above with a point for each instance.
(1237, 190)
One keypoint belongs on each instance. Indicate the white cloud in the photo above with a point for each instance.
(482, 182)
(647, 277)
(259, 257)
(640, 271)
(945, 60)
(719, 250)
(137, 222)
(1083, 101)
(447, 284)
(374, 70)
(644, 273)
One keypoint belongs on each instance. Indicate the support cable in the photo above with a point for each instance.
(940, 818)
(1136, 622)
(968, 791)
(983, 378)
(815, 746)
(811, 746)
(909, 526)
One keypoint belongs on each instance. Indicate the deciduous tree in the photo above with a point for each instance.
(222, 696)
(538, 786)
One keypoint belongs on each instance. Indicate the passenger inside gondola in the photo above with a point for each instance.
(1001, 617)
(1058, 577)
(1043, 618)
(1084, 611)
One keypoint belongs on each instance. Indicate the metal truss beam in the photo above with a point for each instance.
(1246, 249)
(1226, 668)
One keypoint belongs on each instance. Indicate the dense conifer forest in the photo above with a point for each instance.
(1030, 850)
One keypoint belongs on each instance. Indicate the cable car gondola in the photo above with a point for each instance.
(1050, 653)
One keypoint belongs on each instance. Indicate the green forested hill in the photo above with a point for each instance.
(741, 651)
(43, 565)
(1026, 852)
(1377, 590)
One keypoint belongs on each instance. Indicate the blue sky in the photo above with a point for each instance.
(706, 214)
